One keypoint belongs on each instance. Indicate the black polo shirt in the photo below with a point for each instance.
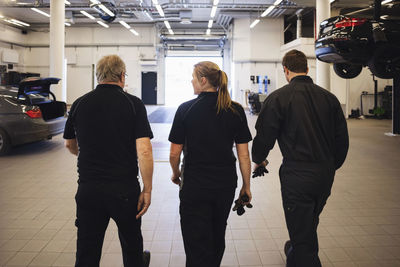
(208, 139)
(307, 121)
(106, 123)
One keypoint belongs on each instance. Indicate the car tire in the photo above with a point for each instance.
(385, 62)
(5, 143)
(346, 70)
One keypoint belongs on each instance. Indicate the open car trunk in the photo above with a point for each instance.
(52, 110)
(36, 91)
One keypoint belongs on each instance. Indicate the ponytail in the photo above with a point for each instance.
(224, 101)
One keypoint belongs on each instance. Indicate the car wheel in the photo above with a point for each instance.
(385, 62)
(5, 143)
(346, 70)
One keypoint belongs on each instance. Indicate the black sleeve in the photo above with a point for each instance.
(142, 125)
(177, 134)
(69, 130)
(243, 134)
(267, 128)
(341, 137)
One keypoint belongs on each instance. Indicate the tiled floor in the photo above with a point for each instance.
(360, 225)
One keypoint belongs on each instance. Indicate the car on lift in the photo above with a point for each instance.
(351, 43)
(29, 113)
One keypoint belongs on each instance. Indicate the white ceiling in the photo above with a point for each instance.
(131, 11)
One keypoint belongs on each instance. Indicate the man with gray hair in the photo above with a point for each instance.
(109, 132)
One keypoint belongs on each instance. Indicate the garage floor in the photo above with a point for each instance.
(360, 225)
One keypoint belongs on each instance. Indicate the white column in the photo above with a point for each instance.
(322, 68)
(57, 32)
(298, 33)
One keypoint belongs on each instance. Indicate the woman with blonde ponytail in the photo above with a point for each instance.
(205, 129)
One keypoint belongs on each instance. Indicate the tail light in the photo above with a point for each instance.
(350, 22)
(34, 113)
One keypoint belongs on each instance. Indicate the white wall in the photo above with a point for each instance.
(85, 46)
(11, 39)
(255, 52)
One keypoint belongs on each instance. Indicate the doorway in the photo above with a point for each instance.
(178, 77)
(149, 88)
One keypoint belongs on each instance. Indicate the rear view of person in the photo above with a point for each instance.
(311, 130)
(205, 129)
(109, 132)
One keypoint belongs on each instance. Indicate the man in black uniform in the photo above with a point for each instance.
(311, 130)
(109, 131)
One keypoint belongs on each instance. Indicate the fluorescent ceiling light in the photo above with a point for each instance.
(216, 2)
(213, 11)
(22, 3)
(20, 22)
(105, 9)
(277, 2)
(171, 31)
(386, 1)
(254, 23)
(40, 12)
(167, 24)
(148, 15)
(67, 3)
(208, 31)
(134, 32)
(67, 24)
(103, 24)
(331, 1)
(96, 2)
(267, 11)
(155, 2)
(125, 24)
(87, 14)
(210, 23)
(160, 11)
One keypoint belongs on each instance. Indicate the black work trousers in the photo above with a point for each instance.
(96, 203)
(305, 190)
(203, 222)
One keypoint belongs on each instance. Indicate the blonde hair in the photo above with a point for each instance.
(217, 79)
(109, 69)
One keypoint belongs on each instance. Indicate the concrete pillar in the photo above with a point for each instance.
(57, 33)
(298, 32)
(322, 68)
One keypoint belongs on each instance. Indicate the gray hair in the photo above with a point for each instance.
(109, 69)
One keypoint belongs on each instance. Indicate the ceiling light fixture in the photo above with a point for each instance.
(254, 23)
(148, 15)
(123, 23)
(208, 31)
(167, 24)
(160, 10)
(171, 32)
(40, 12)
(105, 9)
(210, 23)
(67, 3)
(103, 24)
(1, 16)
(134, 32)
(213, 11)
(268, 10)
(216, 2)
(87, 14)
(386, 1)
(67, 24)
(96, 2)
(20, 22)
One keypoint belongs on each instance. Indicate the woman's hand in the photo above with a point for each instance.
(176, 178)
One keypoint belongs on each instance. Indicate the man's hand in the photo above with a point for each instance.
(260, 169)
(176, 178)
(245, 191)
(143, 203)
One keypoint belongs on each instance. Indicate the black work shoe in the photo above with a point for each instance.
(287, 247)
(146, 258)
